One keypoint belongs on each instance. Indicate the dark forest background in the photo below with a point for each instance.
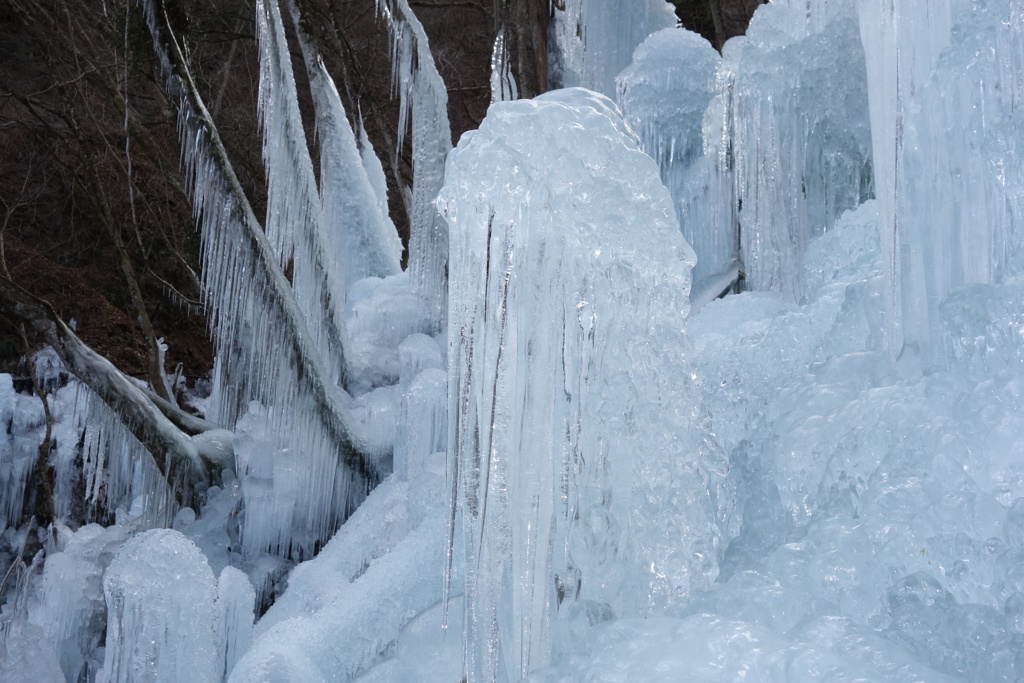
(94, 216)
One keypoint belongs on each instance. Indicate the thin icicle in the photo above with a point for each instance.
(503, 81)
(423, 107)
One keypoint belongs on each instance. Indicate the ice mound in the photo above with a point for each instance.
(161, 621)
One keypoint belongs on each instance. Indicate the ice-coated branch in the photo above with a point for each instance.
(265, 350)
(175, 454)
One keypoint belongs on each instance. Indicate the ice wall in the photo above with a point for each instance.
(945, 97)
(584, 478)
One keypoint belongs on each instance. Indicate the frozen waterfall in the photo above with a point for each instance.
(817, 477)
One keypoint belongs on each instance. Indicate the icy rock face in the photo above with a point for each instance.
(583, 472)
(161, 620)
(663, 94)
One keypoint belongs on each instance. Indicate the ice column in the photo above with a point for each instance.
(575, 436)
(788, 131)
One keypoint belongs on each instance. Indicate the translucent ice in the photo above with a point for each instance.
(664, 93)
(945, 99)
(161, 622)
(787, 141)
(594, 40)
(576, 441)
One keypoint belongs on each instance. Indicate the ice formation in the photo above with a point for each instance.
(594, 39)
(353, 190)
(582, 474)
(820, 479)
(260, 324)
(945, 96)
(160, 596)
(295, 225)
(664, 93)
(423, 112)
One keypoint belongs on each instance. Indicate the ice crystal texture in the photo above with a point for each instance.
(582, 473)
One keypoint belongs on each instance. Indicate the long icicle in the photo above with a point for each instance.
(354, 218)
(423, 106)
(294, 224)
(264, 347)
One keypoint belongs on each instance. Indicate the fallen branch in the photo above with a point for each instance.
(173, 451)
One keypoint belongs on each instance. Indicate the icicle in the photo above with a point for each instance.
(119, 471)
(374, 170)
(295, 222)
(786, 150)
(19, 421)
(423, 107)
(354, 215)
(503, 81)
